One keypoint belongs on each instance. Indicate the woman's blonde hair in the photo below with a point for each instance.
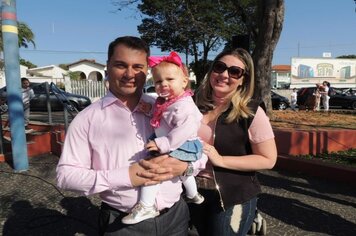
(240, 98)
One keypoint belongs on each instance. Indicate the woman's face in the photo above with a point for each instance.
(223, 85)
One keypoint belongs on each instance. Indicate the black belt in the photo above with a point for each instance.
(106, 206)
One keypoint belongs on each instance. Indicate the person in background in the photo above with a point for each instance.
(176, 121)
(325, 95)
(27, 95)
(293, 99)
(317, 95)
(238, 139)
(104, 151)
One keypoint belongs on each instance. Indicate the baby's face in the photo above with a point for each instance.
(169, 80)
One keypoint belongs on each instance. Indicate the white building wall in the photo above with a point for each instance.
(23, 70)
(50, 71)
(339, 72)
(87, 68)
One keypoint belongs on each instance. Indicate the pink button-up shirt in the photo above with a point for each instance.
(101, 143)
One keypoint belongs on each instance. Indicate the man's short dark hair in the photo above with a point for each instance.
(131, 42)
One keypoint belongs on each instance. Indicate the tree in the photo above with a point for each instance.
(197, 27)
(27, 63)
(25, 34)
(265, 26)
(63, 66)
(347, 56)
(73, 75)
(191, 27)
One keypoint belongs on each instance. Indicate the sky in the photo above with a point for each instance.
(70, 30)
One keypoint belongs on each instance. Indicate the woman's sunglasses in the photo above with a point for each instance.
(233, 71)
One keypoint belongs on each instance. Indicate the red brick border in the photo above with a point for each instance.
(301, 142)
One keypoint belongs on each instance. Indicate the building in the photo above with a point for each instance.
(89, 69)
(339, 72)
(23, 70)
(280, 77)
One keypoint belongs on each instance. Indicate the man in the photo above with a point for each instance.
(104, 150)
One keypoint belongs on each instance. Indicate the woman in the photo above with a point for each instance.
(238, 140)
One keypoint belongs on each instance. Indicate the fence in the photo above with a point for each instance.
(89, 88)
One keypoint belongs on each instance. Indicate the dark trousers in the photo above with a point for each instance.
(210, 220)
(172, 222)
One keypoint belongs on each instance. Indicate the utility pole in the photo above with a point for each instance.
(13, 85)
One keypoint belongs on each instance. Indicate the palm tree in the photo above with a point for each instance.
(26, 36)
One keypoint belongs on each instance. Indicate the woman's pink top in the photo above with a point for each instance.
(259, 131)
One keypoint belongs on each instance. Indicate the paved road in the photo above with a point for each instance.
(30, 204)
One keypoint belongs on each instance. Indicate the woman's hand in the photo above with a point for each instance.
(161, 168)
(215, 158)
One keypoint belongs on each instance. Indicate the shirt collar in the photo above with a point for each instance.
(110, 98)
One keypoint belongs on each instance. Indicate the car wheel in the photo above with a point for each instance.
(353, 105)
(282, 106)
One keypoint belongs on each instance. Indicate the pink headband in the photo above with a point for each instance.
(172, 58)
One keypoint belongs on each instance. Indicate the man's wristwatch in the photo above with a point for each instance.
(189, 171)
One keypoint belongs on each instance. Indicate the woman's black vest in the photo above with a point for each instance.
(232, 139)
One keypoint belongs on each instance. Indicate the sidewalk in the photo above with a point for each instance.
(31, 204)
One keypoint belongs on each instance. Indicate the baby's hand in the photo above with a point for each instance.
(144, 107)
(151, 146)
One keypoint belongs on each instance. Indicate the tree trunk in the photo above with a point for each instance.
(270, 28)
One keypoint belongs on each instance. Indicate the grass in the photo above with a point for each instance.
(347, 158)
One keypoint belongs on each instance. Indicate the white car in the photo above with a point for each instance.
(150, 90)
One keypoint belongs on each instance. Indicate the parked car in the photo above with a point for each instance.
(279, 102)
(57, 98)
(150, 90)
(339, 98)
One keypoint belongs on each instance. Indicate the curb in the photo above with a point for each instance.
(317, 168)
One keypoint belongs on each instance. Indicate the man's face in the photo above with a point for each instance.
(127, 71)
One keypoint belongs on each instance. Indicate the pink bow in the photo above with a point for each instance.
(172, 58)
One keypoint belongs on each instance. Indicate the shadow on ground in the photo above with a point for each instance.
(79, 216)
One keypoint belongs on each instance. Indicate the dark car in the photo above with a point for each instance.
(279, 102)
(57, 98)
(339, 98)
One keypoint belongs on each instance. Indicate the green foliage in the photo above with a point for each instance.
(191, 27)
(347, 56)
(199, 27)
(74, 75)
(27, 63)
(63, 66)
(347, 157)
(26, 36)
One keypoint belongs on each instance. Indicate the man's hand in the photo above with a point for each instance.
(161, 168)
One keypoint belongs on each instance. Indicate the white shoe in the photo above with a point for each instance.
(197, 199)
(140, 213)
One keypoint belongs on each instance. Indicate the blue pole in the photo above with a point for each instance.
(13, 85)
